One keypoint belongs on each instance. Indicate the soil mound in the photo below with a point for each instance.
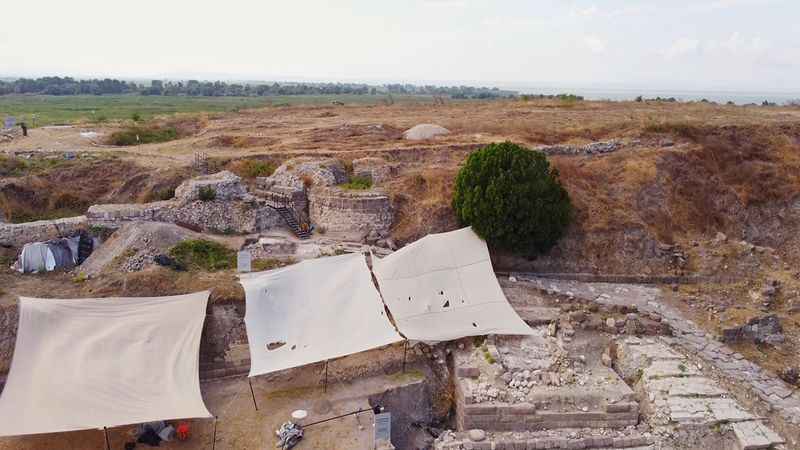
(424, 131)
(134, 246)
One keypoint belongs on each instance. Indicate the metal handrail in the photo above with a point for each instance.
(277, 200)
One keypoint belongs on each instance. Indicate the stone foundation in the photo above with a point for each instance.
(340, 210)
(19, 234)
(508, 441)
(501, 416)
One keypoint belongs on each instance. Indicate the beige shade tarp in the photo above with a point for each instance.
(313, 311)
(94, 363)
(443, 287)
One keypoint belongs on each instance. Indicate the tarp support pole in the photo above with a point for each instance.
(214, 435)
(252, 394)
(405, 351)
(108, 444)
(325, 381)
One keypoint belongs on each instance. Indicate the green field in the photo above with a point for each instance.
(38, 110)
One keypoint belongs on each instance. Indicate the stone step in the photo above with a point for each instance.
(755, 435)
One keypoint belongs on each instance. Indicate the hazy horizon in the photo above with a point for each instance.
(724, 45)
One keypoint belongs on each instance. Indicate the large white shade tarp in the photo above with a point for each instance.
(443, 287)
(94, 363)
(313, 311)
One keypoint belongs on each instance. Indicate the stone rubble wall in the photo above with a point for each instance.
(19, 234)
(594, 148)
(226, 186)
(341, 210)
(376, 169)
(9, 317)
(233, 210)
(218, 216)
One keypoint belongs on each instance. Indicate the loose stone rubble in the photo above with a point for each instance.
(595, 148)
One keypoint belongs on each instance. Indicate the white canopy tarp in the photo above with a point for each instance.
(443, 287)
(313, 311)
(94, 363)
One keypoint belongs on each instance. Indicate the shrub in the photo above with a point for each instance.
(207, 194)
(156, 195)
(512, 198)
(358, 183)
(11, 166)
(260, 265)
(683, 129)
(200, 254)
(252, 168)
(142, 135)
(136, 117)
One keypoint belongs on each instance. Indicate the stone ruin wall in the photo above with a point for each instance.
(233, 209)
(19, 234)
(219, 216)
(339, 210)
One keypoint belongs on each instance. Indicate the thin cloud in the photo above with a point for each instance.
(682, 46)
(595, 44)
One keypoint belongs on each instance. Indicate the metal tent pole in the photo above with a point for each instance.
(214, 436)
(252, 393)
(405, 351)
(108, 444)
(325, 383)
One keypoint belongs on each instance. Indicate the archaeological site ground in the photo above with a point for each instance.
(667, 316)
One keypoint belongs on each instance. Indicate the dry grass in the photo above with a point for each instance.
(422, 200)
(241, 141)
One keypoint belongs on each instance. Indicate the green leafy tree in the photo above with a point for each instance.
(512, 198)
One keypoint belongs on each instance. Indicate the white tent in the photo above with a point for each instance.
(48, 256)
(94, 363)
(443, 287)
(313, 311)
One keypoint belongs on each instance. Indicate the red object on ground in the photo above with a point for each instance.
(182, 431)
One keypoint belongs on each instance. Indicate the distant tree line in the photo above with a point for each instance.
(71, 86)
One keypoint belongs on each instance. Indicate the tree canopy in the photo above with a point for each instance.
(513, 198)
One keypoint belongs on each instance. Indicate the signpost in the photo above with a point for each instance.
(383, 427)
(243, 261)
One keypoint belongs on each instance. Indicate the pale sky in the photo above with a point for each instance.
(681, 44)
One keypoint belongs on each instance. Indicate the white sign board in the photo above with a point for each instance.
(9, 122)
(243, 261)
(383, 427)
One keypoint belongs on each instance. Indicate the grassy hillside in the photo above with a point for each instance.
(52, 110)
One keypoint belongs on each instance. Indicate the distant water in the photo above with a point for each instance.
(740, 98)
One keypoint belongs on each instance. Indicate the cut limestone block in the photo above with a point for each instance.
(755, 435)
